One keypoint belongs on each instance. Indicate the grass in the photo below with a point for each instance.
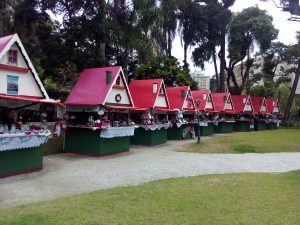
(232, 199)
(281, 140)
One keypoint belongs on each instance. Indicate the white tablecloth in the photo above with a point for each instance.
(112, 132)
(22, 141)
(155, 126)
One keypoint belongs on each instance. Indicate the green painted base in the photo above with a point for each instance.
(179, 133)
(148, 137)
(260, 125)
(241, 126)
(223, 127)
(271, 126)
(88, 142)
(204, 131)
(20, 161)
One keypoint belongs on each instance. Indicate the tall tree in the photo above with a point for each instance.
(247, 28)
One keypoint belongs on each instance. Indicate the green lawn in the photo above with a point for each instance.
(232, 199)
(281, 140)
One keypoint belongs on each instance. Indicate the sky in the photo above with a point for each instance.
(287, 29)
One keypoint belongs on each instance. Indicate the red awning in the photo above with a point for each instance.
(120, 107)
(31, 99)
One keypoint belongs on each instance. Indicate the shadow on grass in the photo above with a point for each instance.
(244, 148)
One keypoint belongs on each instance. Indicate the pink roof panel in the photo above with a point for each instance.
(4, 41)
(91, 87)
(175, 97)
(239, 102)
(199, 94)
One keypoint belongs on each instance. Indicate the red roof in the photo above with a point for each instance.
(239, 103)
(31, 99)
(271, 103)
(177, 100)
(220, 100)
(200, 94)
(4, 41)
(91, 87)
(143, 95)
(257, 103)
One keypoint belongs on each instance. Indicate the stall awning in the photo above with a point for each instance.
(120, 107)
(31, 99)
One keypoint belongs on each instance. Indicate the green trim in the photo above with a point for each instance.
(17, 161)
(205, 131)
(241, 126)
(223, 127)
(178, 133)
(271, 126)
(149, 137)
(260, 125)
(87, 141)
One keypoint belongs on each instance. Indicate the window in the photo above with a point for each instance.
(12, 85)
(13, 56)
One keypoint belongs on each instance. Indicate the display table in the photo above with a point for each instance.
(94, 141)
(21, 153)
(241, 126)
(260, 125)
(221, 127)
(206, 128)
(150, 134)
(180, 131)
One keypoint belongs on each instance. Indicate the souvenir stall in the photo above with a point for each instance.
(23, 122)
(243, 113)
(272, 113)
(151, 118)
(205, 109)
(97, 113)
(183, 117)
(259, 112)
(223, 118)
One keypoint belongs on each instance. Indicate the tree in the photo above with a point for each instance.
(248, 28)
(167, 68)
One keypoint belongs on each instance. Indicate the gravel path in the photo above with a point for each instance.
(68, 174)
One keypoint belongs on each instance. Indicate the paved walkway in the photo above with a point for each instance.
(68, 174)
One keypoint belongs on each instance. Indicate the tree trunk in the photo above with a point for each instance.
(185, 47)
(169, 45)
(222, 61)
(292, 95)
(215, 65)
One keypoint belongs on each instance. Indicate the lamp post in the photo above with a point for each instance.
(198, 118)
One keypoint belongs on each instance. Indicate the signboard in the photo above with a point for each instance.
(12, 85)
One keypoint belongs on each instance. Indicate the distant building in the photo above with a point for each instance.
(203, 81)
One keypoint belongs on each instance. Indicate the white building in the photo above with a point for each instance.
(202, 80)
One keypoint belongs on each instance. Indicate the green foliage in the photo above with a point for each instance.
(258, 90)
(167, 68)
(283, 94)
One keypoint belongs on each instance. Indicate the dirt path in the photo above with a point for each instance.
(68, 174)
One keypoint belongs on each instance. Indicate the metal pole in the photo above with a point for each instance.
(198, 141)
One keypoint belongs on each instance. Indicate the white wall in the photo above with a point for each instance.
(160, 101)
(114, 92)
(27, 84)
(208, 105)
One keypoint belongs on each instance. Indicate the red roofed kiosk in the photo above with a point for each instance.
(224, 112)
(260, 112)
(182, 117)
(206, 108)
(243, 112)
(98, 108)
(273, 112)
(22, 97)
(151, 98)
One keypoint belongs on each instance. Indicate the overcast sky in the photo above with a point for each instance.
(287, 29)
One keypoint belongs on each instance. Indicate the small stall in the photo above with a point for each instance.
(183, 115)
(150, 116)
(260, 112)
(223, 118)
(23, 121)
(272, 113)
(97, 116)
(243, 112)
(205, 109)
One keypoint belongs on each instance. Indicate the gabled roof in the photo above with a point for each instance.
(271, 103)
(257, 103)
(220, 100)
(239, 102)
(203, 96)
(143, 94)
(91, 87)
(5, 45)
(177, 100)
